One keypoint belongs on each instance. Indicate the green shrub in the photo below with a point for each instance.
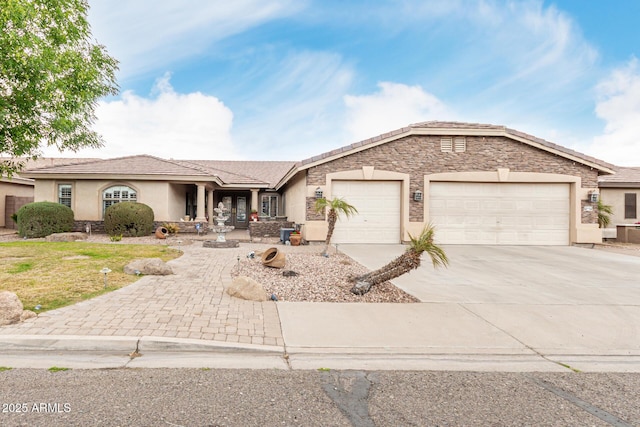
(129, 219)
(41, 219)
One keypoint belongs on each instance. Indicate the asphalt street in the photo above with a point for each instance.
(205, 397)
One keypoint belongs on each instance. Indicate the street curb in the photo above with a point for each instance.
(119, 344)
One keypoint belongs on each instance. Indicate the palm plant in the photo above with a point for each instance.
(603, 214)
(410, 260)
(337, 207)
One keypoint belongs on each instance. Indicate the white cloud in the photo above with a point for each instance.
(145, 35)
(619, 107)
(170, 125)
(293, 113)
(395, 105)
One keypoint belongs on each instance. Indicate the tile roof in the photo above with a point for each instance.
(624, 177)
(259, 173)
(247, 171)
(130, 165)
(453, 126)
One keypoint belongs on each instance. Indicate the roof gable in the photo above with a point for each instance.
(457, 128)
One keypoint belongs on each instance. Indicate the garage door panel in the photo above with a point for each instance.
(378, 217)
(509, 213)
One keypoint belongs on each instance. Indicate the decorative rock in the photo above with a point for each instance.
(27, 314)
(66, 237)
(247, 288)
(10, 308)
(289, 273)
(148, 266)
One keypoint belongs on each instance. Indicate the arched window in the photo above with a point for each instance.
(117, 194)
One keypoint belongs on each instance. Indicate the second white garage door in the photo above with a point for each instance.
(378, 217)
(500, 214)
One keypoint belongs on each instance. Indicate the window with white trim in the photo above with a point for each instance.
(64, 194)
(117, 194)
(269, 205)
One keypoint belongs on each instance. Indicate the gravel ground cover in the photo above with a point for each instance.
(318, 279)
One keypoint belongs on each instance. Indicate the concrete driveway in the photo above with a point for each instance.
(569, 305)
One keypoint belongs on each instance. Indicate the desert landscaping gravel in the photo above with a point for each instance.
(318, 279)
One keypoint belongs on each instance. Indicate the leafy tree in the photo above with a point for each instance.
(51, 75)
(337, 207)
(410, 260)
(604, 214)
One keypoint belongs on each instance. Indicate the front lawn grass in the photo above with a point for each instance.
(54, 275)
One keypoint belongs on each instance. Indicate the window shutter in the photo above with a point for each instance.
(446, 145)
(460, 145)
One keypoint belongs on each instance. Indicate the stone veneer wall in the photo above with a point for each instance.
(420, 155)
(268, 228)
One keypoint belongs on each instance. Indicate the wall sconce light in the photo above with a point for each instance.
(417, 196)
(593, 197)
(318, 193)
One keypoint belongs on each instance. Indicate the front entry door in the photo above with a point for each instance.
(238, 211)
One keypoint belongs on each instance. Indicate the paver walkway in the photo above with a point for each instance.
(189, 304)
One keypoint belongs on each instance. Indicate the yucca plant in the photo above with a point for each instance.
(337, 207)
(409, 260)
(604, 212)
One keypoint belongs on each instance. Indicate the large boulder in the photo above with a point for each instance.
(66, 237)
(247, 288)
(148, 266)
(10, 308)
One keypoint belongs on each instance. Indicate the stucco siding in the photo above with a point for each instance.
(615, 198)
(295, 195)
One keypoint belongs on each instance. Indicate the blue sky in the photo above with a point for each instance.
(289, 79)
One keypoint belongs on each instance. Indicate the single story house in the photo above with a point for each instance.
(477, 183)
(176, 190)
(621, 191)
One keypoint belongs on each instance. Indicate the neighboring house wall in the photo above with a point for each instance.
(615, 197)
(12, 189)
(412, 160)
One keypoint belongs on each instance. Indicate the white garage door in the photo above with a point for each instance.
(500, 214)
(378, 217)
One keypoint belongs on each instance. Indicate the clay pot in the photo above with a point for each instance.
(273, 258)
(295, 239)
(161, 233)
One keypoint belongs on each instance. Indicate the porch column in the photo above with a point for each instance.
(200, 209)
(254, 199)
(210, 207)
